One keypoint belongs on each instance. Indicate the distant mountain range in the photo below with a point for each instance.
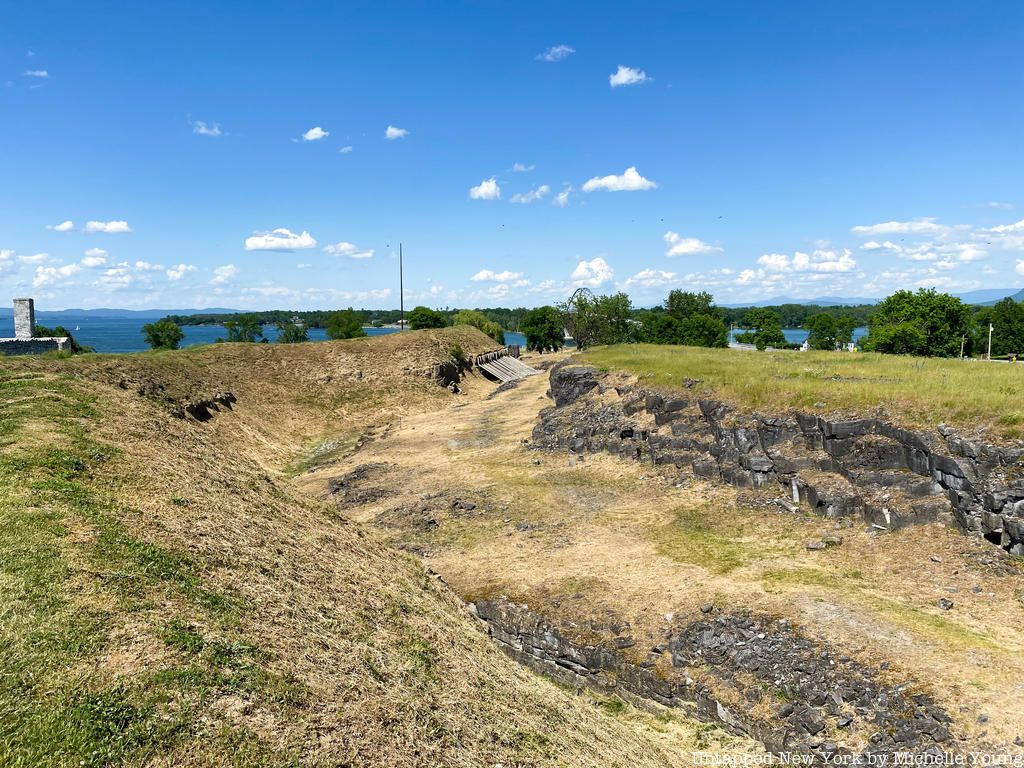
(139, 314)
(985, 296)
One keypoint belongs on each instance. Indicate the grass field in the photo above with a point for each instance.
(912, 391)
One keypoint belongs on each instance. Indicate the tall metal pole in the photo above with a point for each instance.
(990, 341)
(401, 288)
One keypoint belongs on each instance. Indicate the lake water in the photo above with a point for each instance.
(118, 334)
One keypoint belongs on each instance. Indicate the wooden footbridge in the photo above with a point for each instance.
(503, 366)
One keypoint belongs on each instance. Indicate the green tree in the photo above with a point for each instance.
(292, 332)
(424, 317)
(601, 319)
(479, 320)
(924, 323)
(543, 328)
(345, 324)
(243, 328)
(704, 330)
(766, 327)
(683, 305)
(73, 346)
(822, 331)
(163, 334)
(1007, 319)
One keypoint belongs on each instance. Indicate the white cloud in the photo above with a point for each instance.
(110, 227)
(346, 149)
(522, 167)
(1020, 267)
(348, 249)
(178, 271)
(64, 226)
(626, 76)
(393, 132)
(629, 181)
(118, 276)
(916, 227)
(816, 261)
(280, 239)
(499, 277)
(145, 266)
(51, 275)
(486, 190)
(687, 246)
(592, 273)
(533, 195)
(35, 258)
(556, 53)
(40, 73)
(1005, 229)
(315, 134)
(562, 198)
(6, 259)
(999, 206)
(651, 278)
(95, 257)
(223, 274)
(200, 128)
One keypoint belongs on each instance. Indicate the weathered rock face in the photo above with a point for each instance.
(793, 695)
(890, 476)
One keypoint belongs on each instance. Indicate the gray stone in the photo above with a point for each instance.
(944, 603)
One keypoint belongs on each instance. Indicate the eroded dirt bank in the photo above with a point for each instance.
(809, 632)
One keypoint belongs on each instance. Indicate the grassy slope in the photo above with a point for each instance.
(913, 391)
(165, 600)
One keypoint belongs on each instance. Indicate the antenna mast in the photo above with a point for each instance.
(401, 288)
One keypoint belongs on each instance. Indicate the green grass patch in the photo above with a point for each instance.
(915, 391)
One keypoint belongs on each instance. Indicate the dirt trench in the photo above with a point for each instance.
(616, 555)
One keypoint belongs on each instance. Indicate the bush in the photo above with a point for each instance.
(544, 329)
(292, 333)
(479, 320)
(163, 334)
(346, 324)
(424, 317)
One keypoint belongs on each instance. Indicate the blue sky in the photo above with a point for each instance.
(749, 149)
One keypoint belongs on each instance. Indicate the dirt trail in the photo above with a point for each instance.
(611, 544)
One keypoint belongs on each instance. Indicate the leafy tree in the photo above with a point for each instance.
(703, 330)
(601, 320)
(689, 318)
(845, 326)
(1007, 319)
(683, 304)
(244, 328)
(424, 317)
(292, 333)
(543, 328)
(345, 324)
(766, 328)
(924, 323)
(822, 328)
(163, 334)
(479, 320)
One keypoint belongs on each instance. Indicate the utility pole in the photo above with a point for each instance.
(401, 288)
(990, 342)
(963, 340)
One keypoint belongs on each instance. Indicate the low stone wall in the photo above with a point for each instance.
(871, 467)
(33, 346)
(809, 700)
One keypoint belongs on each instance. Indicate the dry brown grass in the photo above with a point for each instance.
(608, 540)
(186, 605)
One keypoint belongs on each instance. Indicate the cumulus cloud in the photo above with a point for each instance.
(280, 239)
(533, 195)
(486, 190)
(556, 53)
(500, 277)
(51, 275)
(687, 246)
(916, 227)
(351, 250)
(6, 259)
(42, 74)
(651, 278)
(200, 128)
(562, 198)
(816, 261)
(627, 76)
(315, 134)
(109, 227)
(522, 167)
(629, 181)
(64, 226)
(592, 274)
(393, 132)
(145, 266)
(178, 271)
(35, 258)
(1005, 229)
(95, 257)
(223, 274)
(1020, 267)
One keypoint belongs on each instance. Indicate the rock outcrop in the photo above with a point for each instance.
(865, 466)
(752, 675)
